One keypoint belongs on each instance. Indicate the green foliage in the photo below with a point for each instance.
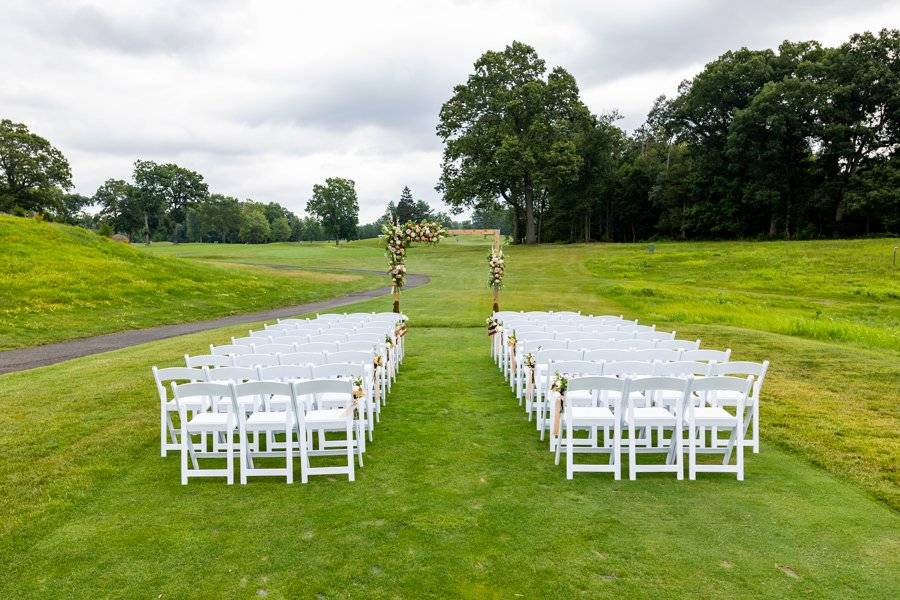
(255, 228)
(32, 171)
(281, 229)
(336, 206)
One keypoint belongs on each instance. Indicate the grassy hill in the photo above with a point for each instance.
(59, 282)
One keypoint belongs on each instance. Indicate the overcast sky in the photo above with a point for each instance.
(265, 99)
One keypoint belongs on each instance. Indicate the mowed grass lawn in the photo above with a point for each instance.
(59, 282)
(458, 497)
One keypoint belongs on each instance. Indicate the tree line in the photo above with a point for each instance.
(798, 142)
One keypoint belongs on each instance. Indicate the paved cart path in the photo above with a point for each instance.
(39, 356)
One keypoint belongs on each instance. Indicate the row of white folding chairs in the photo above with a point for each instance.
(368, 409)
(635, 406)
(290, 408)
(537, 402)
(646, 357)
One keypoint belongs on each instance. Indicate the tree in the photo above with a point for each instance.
(166, 191)
(336, 207)
(31, 170)
(281, 229)
(121, 207)
(217, 218)
(506, 134)
(255, 227)
(406, 208)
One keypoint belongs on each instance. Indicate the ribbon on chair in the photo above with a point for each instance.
(558, 406)
(512, 357)
(357, 394)
(376, 378)
(529, 384)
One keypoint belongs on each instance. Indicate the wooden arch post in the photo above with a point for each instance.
(495, 247)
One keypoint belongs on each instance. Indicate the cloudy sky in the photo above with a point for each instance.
(265, 98)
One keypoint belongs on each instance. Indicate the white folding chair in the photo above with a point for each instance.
(707, 355)
(310, 418)
(317, 347)
(708, 414)
(724, 398)
(246, 341)
(604, 412)
(678, 344)
(268, 420)
(220, 423)
(255, 360)
(650, 415)
(302, 358)
(168, 435)
(277, 348)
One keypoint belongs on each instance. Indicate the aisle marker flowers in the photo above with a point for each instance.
(560, 385)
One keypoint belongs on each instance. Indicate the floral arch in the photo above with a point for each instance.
(397, 239)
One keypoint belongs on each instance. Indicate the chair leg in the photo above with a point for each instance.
(185, 440)
(617, 452)
(289, 452)
(570, 451)
(740, 452)
(692, 452)
(632, 453)
(351, 473)
(679, 454)
(304, 457)
(229, 456)
(244, 453)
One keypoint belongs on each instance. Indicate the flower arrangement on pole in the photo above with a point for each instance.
(397, 239)
(497, 266)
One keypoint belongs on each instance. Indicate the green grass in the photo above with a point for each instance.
(458, 497)
(59, 282)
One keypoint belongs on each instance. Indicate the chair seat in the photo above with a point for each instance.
(327, 415)
(595, 414)
(265, 418)
(211, 421)
(714, 416)
(651, 415)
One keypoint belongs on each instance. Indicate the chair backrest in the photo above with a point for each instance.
(628, 368)
(588, 344)
(352, 357)
(306, 392)
(329, 338)
(246, 341)
(649, 386)
(230, 349)
(578, 368)
(683, 368)
(653, 354)
(370, 337)
(329, 317)
(208, 360)
(317, 347)
(230, 374)
(302, 358)
(266, 389)
(597, 383)
(606, 354)
(285, 373)
(678, 344)
(293, 339)
(742, 367)
(186, 374)
(707, 355)
(294, 322)
(265, 335)
(274, 348)
(256, 360)
(709, 386)
(642, 328)
(650, 335)
(631, 344)
(186, 391)
(355, 346)
(543, 357)
(336, 370)
(543, 344)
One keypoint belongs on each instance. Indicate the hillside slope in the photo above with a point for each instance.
(59, 282)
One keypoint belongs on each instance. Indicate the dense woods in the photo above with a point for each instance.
(797, 142)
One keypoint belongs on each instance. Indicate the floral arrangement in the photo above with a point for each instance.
(358, 389)
(377, 361)
(511, 339)
(496, 268)
(529, 361)
(560, 384)
(397, 239)
(494, 326)
(388, 342)
(401, 329)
